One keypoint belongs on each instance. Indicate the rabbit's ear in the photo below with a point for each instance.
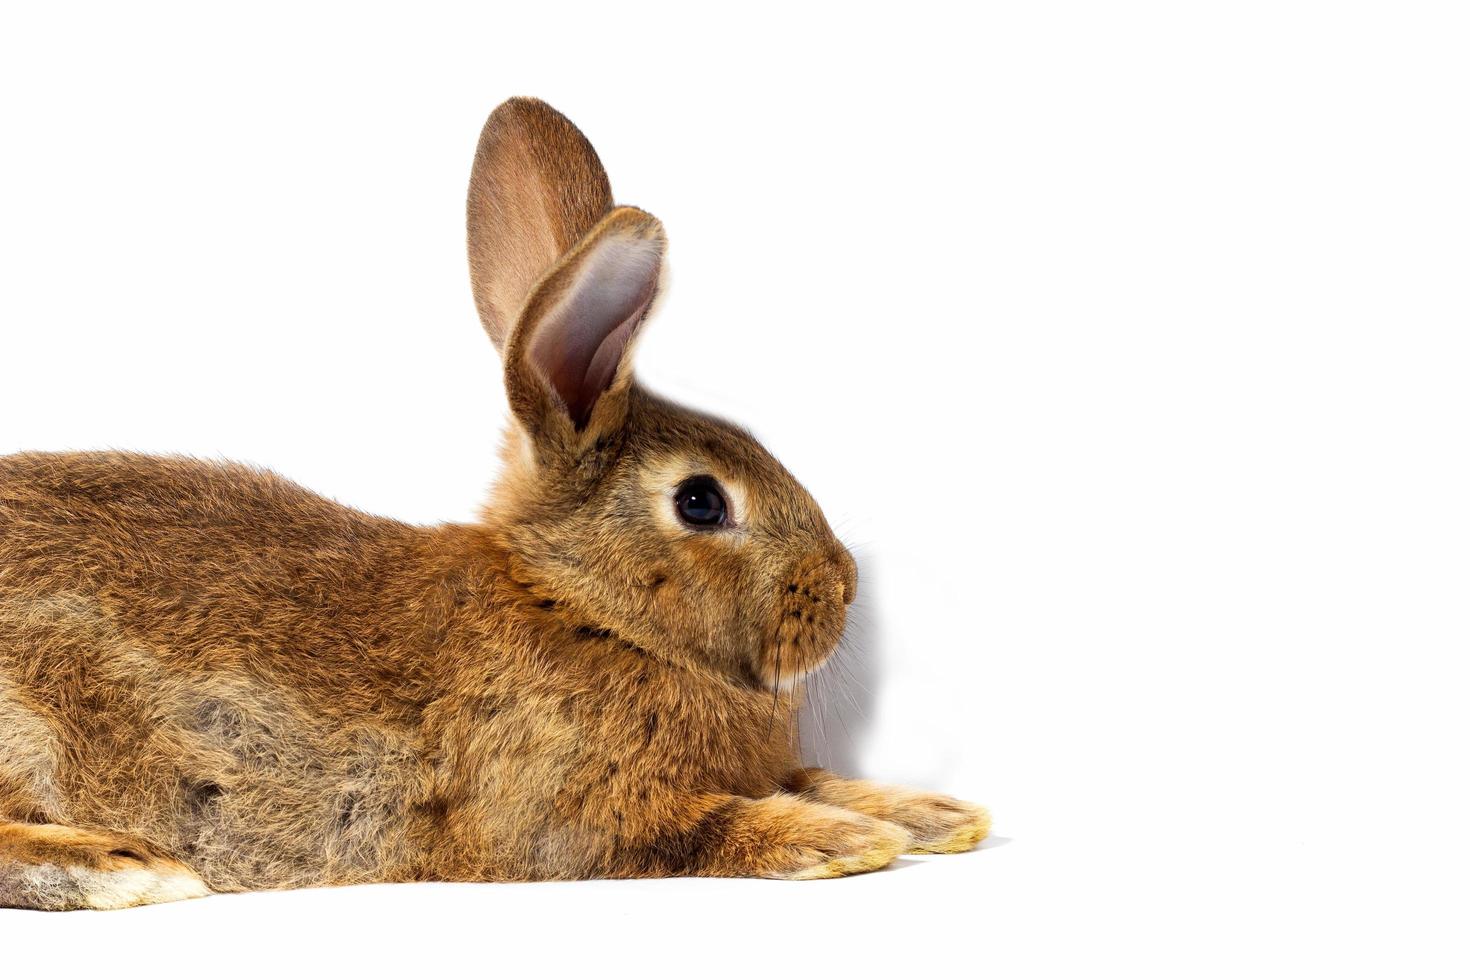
(536, 189)
(566, 364)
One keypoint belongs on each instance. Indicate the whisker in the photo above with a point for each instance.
(849, 680)
(775, 692)
(852, 678)
(814, 708)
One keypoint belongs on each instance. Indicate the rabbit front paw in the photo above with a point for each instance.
(868, 850)
(828, 842)
(938, 824)
(942, 824)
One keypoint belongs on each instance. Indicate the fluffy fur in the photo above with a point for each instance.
(214, 680)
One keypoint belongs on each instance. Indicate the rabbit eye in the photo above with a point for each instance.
(699, 503)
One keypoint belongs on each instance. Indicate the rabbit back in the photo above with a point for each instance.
(212, 658)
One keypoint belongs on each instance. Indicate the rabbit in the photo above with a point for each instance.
(213, 680)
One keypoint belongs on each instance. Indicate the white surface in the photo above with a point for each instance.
(1127, 341)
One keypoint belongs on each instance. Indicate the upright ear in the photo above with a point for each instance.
(537, 188)
(566, 364)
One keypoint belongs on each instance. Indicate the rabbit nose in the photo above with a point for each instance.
(847, 583)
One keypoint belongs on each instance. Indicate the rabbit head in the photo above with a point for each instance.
(675, 530)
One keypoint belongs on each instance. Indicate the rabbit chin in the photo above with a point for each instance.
(787, 672)
(785, 664)
(791, 682)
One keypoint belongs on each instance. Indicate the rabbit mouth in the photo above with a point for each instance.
(808, 622)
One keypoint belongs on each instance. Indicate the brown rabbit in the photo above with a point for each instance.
(214, 680)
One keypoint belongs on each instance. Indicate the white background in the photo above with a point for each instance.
(1126, 342)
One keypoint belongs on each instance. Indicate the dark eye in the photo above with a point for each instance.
(699, 502)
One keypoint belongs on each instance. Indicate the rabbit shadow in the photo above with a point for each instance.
(837, 714)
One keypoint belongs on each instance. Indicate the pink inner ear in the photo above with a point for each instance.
(580, 343)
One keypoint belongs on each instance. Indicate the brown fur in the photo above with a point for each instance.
(240, 680)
